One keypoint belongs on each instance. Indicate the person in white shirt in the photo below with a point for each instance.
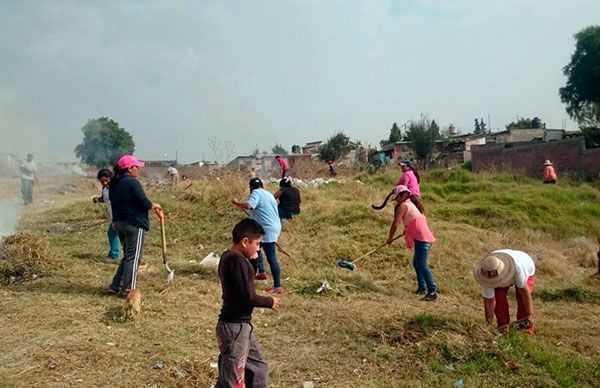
(174, 176)
(28, 178)
(496, 273)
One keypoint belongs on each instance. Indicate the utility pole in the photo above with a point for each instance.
(489, 124)
(176, 157)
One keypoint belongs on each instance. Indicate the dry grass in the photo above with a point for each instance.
(26, 257)
(371, 331)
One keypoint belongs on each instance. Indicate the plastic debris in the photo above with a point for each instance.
(307, 384)
(211, 261)
(52, 366)
(459, 383)
(214, 365)
(325, 286)
(159, 365)
(179, 373)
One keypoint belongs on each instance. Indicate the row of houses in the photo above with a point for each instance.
(458, 149)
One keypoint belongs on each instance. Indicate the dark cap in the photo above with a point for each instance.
(255, 183)
(407, 163)
(285, 182)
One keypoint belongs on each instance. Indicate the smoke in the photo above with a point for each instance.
(10, 210)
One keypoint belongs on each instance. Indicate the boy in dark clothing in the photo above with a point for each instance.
(240, 359)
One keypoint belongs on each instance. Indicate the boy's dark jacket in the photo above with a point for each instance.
(237, 282)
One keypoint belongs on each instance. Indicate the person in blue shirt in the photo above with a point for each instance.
(130, 208)
(263, 208)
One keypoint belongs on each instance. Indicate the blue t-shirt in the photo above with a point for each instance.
(264, 211)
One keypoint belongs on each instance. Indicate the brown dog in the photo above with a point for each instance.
(132, 306)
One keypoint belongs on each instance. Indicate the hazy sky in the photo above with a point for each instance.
(177, 73)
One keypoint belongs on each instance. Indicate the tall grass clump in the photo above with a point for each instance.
(26, 257)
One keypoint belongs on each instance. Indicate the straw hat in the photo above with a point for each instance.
(547, 163)
(495, 270)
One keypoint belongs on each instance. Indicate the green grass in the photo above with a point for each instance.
(504, 200)
(571, 294)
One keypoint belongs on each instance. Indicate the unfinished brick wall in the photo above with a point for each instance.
(567, 155)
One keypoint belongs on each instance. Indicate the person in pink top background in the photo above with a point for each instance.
(417, 234)
(549, 173)
(409, 178)
(283, 164)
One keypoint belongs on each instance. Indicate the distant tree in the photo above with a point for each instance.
(296, 149)
(583, 74)
(395, 134)
(222, 149)
(477, 129)
(482, 126)
(522, 123)
(423, 134)
(279, 150)
(536, 123)
(104, 142)
(335, 147)
(589, 124)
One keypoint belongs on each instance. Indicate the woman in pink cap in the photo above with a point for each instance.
(410, 178)
(417, 234)
(130, 217)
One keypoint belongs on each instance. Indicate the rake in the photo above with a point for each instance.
(352, 265)
(170, 272)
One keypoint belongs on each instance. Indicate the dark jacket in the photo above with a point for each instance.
(237, 282)
(129, 202)
(289, 200)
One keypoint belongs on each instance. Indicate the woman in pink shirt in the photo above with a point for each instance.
(417, 234)
(409, 178)
(283, 164)
(549, 173)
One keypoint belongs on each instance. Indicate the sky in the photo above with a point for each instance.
(214, 79)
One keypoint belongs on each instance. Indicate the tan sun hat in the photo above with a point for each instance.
(495, 270)
(547, 163)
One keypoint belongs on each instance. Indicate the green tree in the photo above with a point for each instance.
(477, 129)
(104, 142)
(589, 123)
(521, 123)
(335, 147)
(423, 134)
(583, 74)
(279, 150)
(395, 134)
(536, 123)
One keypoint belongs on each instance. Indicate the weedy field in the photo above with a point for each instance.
(370, 331)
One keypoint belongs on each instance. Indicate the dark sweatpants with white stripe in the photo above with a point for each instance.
(132, 241)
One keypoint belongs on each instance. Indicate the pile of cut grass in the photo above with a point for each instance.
(26, 257)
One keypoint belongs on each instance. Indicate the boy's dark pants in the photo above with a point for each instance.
(240, 359)
(132, 240)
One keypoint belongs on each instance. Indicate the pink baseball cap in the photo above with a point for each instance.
(398, 190)
(127, 161)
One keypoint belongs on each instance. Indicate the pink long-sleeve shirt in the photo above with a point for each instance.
(409, 179)
(549, 174)
(283, 163)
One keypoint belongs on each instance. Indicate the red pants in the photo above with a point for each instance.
(501, 309)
